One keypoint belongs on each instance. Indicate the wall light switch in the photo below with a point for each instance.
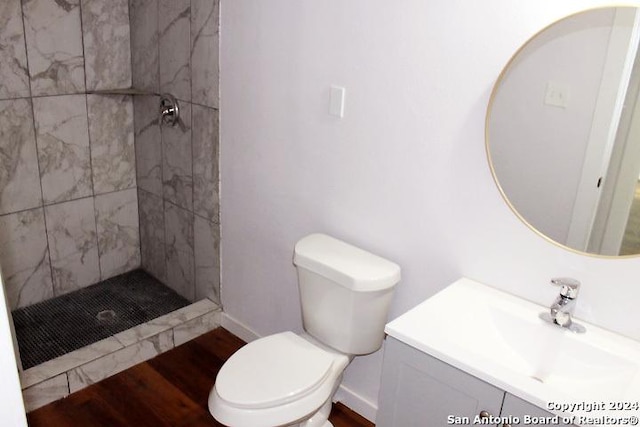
(336, 101)
(556, 95)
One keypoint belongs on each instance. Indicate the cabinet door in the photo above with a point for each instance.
(526, 413)
(420, 390)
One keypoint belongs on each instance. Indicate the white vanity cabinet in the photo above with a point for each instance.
(516, 407)
(457, 353)
(419, 390)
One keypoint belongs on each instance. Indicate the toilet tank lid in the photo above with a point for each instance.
(345, 264)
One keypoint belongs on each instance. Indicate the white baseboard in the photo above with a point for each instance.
(357, 403)
(238, 329)
(343, 395)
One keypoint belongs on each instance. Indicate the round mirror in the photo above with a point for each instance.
(563, 132)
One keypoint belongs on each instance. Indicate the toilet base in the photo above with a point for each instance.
(320, 418)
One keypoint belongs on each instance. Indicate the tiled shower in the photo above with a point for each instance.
(91, 186)
(176, 52)
(68, 200)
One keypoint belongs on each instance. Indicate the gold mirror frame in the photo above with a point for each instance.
(494, 92)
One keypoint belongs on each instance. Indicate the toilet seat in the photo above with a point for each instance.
(276, 380)
(273, 371)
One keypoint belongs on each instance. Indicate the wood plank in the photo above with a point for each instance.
(191, 368)
(341, 416)
(170, 390)
(220, 343)
(152, 396)
(85, 408)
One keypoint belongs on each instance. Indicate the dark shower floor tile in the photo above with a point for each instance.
(66, 323)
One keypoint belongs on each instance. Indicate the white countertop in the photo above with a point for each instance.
(500, 339)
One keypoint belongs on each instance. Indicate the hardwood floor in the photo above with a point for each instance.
(170, 390)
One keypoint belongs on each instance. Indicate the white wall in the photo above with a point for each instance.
(403, 175)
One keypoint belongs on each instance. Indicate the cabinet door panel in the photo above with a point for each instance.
(516, 407)
(419, 390)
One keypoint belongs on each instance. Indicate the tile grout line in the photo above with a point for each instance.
(103, 92)
(93, 184)
(67, 201)
(162, 153)
(192, 137)
(135, 134)
(35, 140)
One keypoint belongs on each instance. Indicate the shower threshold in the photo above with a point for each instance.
(80, 338)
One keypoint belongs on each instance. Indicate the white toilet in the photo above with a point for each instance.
(289, 379)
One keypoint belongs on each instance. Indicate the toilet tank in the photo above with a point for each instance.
(345, 293)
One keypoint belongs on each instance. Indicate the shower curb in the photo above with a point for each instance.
(57, 378)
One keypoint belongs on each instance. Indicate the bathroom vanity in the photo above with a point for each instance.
(420, 390)
(473, 355)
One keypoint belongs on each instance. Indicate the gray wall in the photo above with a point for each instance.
(175, 50)
(68, 202)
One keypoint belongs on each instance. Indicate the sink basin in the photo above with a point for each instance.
(500, 339)
(562, 359)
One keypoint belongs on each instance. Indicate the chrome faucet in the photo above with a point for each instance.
(562, 308)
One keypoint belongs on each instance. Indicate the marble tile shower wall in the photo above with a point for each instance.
(175, 50)
(68, 199)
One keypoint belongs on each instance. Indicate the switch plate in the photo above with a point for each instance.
(556, 95)
(336, 101)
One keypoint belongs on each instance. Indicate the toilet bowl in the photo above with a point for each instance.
(289, 379)
(281, 379)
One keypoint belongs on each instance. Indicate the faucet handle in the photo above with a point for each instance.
(568, 287)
